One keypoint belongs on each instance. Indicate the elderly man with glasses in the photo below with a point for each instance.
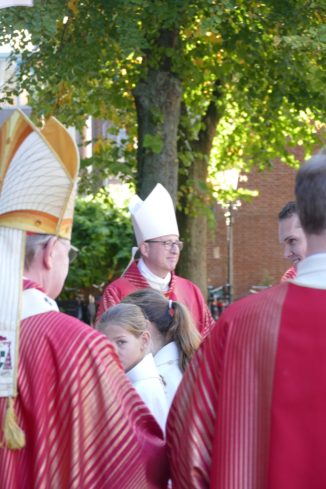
(159, 246)
(69, 417)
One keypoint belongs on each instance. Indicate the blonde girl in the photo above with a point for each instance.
(127, 328)
(175, 337)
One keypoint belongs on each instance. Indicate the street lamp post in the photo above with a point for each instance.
(229, 239)
(229, 220)
(228, 180)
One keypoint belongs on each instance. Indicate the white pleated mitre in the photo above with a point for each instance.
(35, 180)
(154, 216)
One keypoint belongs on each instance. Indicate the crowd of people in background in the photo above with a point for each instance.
(152, 392)
(82, 306)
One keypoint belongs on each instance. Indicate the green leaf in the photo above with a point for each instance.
(153, 142)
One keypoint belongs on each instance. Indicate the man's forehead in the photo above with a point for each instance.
(289, 227)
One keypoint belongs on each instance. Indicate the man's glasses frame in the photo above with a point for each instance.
(72, 252)
(168, 245)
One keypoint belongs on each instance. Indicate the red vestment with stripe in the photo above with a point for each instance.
(85, 425)
(250, 411)
(180, 289)
(289, 274)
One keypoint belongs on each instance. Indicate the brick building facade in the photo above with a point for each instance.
(257, 255)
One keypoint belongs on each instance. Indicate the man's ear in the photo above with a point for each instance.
(49, 252)
(144, 248)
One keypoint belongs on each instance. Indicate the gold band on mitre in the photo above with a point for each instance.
(38, 173)
(38, 182)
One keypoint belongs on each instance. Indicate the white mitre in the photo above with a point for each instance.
(154, 216)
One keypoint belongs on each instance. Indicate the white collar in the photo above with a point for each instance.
(168, 354)
(34, 302)
(311, 271)
(145, 369)
(154, 281)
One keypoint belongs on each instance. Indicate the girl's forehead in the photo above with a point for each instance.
(115, 330)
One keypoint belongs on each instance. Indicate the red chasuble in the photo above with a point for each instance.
(251, 409)
(85, 426)
(180, 289)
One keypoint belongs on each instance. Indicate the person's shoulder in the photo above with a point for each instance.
(114, 291)
(130, 274)
(64, 336)
(186, 288)
(62, 325)
(70, 321)
(250, 316)
(115, 283)
(186, 282)
(290, 274)
(264, 302)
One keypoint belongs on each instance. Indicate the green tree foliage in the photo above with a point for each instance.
(104, 237)
(244, 77)
(267, 59)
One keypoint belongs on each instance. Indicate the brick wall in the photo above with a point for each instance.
(257, 254)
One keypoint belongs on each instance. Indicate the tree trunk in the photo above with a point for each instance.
(193, 231)
(158, 100)
(193, 225)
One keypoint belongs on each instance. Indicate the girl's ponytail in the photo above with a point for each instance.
(183, 331)
(171, 319)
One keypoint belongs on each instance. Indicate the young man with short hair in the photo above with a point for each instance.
(250, 410)
(292, 237)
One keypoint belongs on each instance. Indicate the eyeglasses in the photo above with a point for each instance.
(168, 245)
(73, 251)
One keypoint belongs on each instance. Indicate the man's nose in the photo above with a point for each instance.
(175, 248)
(287, 252)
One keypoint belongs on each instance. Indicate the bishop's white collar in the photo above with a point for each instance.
(157, 283)
(34, 302)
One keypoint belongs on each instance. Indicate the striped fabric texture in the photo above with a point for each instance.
(85, 425)
(218, 430)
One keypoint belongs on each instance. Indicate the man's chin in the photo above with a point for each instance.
(172, 267)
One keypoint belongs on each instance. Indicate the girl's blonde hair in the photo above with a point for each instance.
(128, 316)
(171, 318)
